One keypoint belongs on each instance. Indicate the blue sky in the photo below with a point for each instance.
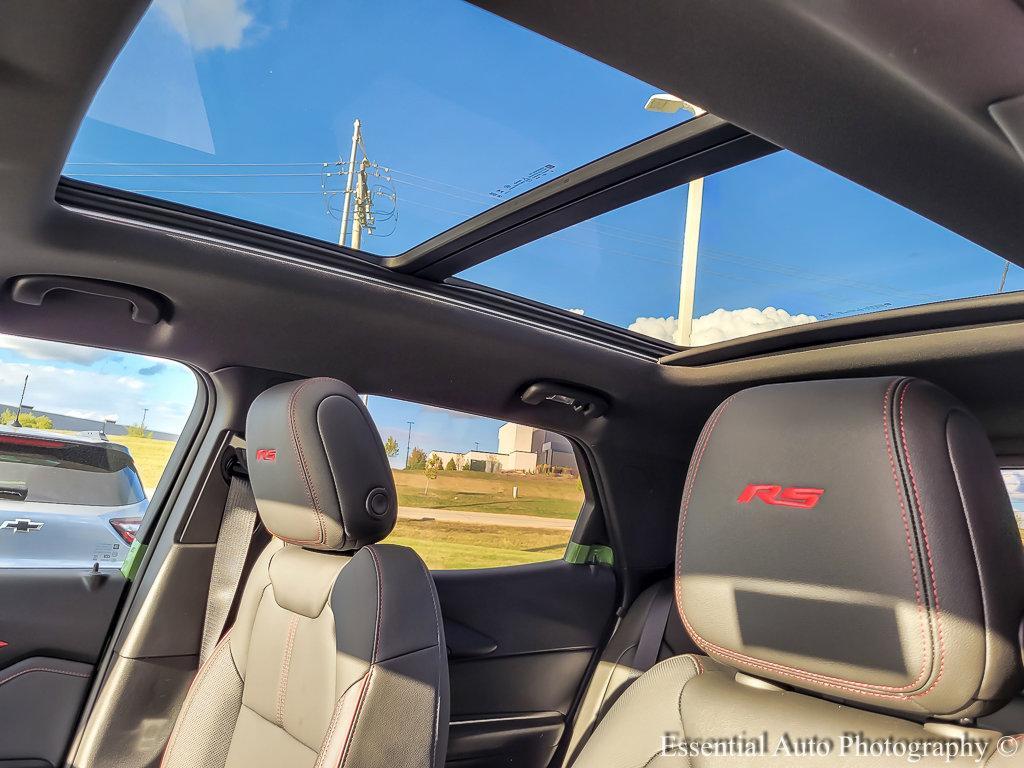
(236, 105)
(96, 383)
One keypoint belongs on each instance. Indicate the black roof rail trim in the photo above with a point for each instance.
(944, 315)
(693, 149)
(105, 201)
(96, 198)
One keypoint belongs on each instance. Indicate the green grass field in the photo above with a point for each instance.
(456, 545)
(444, 545)
(540, 495)
(150, 456)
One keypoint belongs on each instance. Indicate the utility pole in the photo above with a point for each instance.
(21, 403)
(362, 211)
(356, 138)
(408, 443)
(1002, 280)
(144, 412)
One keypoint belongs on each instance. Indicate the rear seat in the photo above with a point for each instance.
(651, 631)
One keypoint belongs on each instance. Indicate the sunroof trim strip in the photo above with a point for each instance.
(922, 318)
(699, 147)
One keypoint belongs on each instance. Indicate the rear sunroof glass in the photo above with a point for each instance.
(775, 242)
(247, 108)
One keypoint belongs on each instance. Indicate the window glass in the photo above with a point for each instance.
(779, 241)
(1014, 479)
(247, 108)
(474, 492)
(85, 435)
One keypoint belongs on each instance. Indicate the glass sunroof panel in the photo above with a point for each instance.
(779, 241)
(247, 108)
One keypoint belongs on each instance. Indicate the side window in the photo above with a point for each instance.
(474, 492)
(85, 435)
(1014, 479)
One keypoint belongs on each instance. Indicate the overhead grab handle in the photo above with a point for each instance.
(586, 402)
(148, 307)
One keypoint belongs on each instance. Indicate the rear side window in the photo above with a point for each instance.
(1014, 479)
(475, 492)
(85, 436)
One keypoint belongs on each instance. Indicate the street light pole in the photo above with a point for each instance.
(664, 102)
(348, 184)
(688, 273)
(408, 443)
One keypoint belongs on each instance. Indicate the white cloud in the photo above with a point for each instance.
(722, 324)
(88, 394)
(36, 349)
(208, 24)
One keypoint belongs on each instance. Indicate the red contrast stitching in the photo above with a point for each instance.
(191, 692)
(329, 737)
(380, 601)
(927, 547)
(860, 688)
(355, 717)
(286, 662)
(43, 669)
(301, 458)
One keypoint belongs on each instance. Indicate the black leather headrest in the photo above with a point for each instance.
(318, 467)
(854, 538)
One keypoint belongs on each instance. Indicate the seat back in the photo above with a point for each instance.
(337, 654)
(848, 559)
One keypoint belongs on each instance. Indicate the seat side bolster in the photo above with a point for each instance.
(632, 731)
(208, 714)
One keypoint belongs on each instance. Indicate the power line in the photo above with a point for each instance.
(191, 175)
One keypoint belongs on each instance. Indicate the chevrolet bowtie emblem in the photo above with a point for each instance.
(21, 525)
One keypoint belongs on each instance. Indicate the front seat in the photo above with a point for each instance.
(337, 655)
(848, 560)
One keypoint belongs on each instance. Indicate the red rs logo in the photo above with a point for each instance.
(266, 454)
(777, 496)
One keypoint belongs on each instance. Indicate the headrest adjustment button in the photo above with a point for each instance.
(377, 503)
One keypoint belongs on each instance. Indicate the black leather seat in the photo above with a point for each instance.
(337, 656)
(848, 560)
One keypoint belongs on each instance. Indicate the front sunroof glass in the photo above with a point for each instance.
(247, 108)
(775, 242)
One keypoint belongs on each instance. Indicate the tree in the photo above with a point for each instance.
(391, 447)
(466, 466)
(29, 420)
(417, 459)
(137, 430)
(37, 422)
(450, 466)
(432, 467)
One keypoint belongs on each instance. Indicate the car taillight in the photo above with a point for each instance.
(126, 527)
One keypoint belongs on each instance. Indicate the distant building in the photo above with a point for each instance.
(548, 448)
(77, 424)
(520, 449)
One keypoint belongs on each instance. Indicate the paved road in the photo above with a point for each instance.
(486, 518)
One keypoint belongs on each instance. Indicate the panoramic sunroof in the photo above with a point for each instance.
(772, 243)
(247, 108)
